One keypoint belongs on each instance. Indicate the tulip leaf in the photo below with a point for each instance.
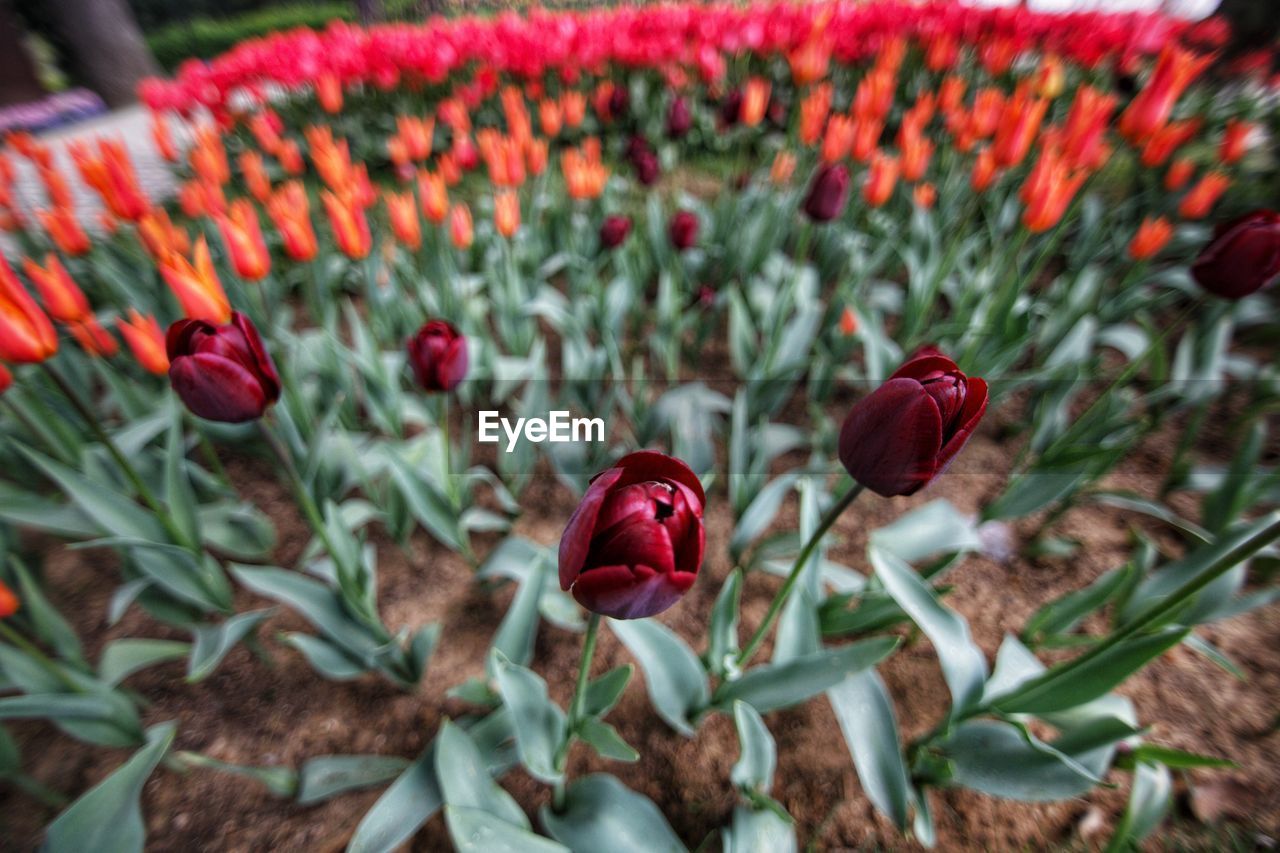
(1150, 798)
(963, 666)
(317, 603)
(329, 775)
(179, 497)
(673, 675)
(753, 830)
(324, 657)
(519, 627)
(116, 514)
(722, 634)
(122, 658)
(935, 528)
(109, 815)
(605, 691)
(760, 513)
(865, 713)
(604, 739)
(465, 780)
(539, 722)
(773, 686)
(478, 831)
(213, 642)
(753, 771)
(603, 814)
(236, 529)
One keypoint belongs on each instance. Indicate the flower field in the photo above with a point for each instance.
(678, 427)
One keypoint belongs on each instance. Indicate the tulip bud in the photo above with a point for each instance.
(828, 193)
(634, 545)
(438, 356)
(221, 373)
(26, 335)
(143, 335)
(1243, 257)
(731, 108)
(679, 118)
(460, 227)
(614, 231)
(683, 229)
(8, 602)
(906, 432)
(1151, 237)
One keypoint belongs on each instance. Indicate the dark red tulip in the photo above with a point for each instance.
(619, 102)
(1243, 257)
(731, 108)
(614, 231)
(643, 159)
(679, 118)
(633, 546)
(828, 193)
(221, 373)
(902, 435)
(683, 229)
(438, 356)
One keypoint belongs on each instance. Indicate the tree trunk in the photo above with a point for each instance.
(370, 11)
(18, 80)
(105, 48)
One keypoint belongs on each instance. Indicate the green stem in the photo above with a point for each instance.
(577, 707)
(753, 645)
(300, 491)
(144, 491)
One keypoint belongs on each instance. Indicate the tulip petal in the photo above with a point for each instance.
(645, 465)
(891, 438)
(264, 367)
(640, 542)
(216, 388)
(621, 592)
(576, 539)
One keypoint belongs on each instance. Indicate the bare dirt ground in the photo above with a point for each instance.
(258, 712)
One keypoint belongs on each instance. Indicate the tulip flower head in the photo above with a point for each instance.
(460, 226)
(634, 545)
(506, 213)
(828, 193)
(906, 432)
(63, 300)
(438, 356)
(1151, 237)
(402, 211)
(1201, 198)
(196, 284)
(349, 223)
(9, 603)
(221, 373)
(64, 230)
(614, 231)
(26, 335)
(1242, 258)
(242, 235)
(683, 230)
(145, 339)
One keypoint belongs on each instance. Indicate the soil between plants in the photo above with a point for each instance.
(278, 711)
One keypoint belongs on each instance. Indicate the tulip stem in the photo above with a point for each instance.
(829, 519)
(577, 707)
(131, 474)
(300, 491)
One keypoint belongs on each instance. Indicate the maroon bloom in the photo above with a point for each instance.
(828, 193)
(1243, 257)
(221, 373)
(683, 229)
(731, 108)
(438, 356)
(633, 546)
(644, 160)
(902, 435)
(679, 118)
(614, 231)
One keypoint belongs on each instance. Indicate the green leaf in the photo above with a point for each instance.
(238, 530)
(465, 780)
(604, 692)
(1177, 759)
(520, 626)
(1067, 685)
(963, 665)
(48, 623)
(114, 513)
(603, 814)
(329, 775)
(212, 642)
(865, 713)
(674, 676)
(760, 513)
(179, 497)
(604, 739)
(315, 602)
(329, 660)
(108, 817)
(774, 686)
(1150, 798)
(477, 831)
(722, 634)
(539, 722)
(753, 771)
(122, 658)
(1064, 613)
(754, 830)
(935, 528)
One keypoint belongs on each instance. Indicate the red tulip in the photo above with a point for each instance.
(828, 193)
(906, 432)
(679, 118)
(634, 545)
(683, 229)
(438, 356)
(614, 231)
(8, 602)
(221, 373)
(1243, 257)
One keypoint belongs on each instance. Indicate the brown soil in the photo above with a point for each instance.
(258, 712)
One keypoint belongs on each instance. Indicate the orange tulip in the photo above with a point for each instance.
(208, 157)
(585, 175)
(866, 138)
(265, 127)
(915, 152)
(1235, 141)
(988, 108)
(26, 335)
(985, 171)
(329, 93)
(163, 139)
(9, 603)
(1019, 124)
(924, 195)
(290, 211)
(290, 157)
(848, 322)
(349, 223)
(1084, 134)
(998, 54)
(331, 158)
(1151, 237)
(452, 112)
(255, 175)
(951, 95)
(402, 210)
(195, 284)
(874, 96)
(506, 213)
(110, 172)
(784, 166)
(550, 117)
(93, 339)
(941, 52)
(417, 135)
(1049, 189)
(755, 101)
(810, 60)
(159, 236)
(814, 110)
(55, 187)
(1161, 144)
(242, 235)
(535, 156)
(433, 196)
(574, 106)
(1180, 171)
(838, 139)
(64, 230)
(516, 112)
(460, 230)
(143, 335)
(63, 299)
(882, 176)
(1150, 109)
(1201, 198)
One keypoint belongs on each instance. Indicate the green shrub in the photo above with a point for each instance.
(207, 37)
